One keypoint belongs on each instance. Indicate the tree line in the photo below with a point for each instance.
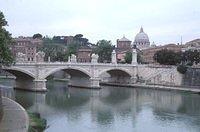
(59, 50)
(182, 59)
(169, 57)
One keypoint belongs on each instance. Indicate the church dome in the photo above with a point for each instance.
(141, 40)
(124, 39)
(141, 37)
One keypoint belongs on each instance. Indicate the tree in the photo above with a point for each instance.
(128, 57)
(104, 50)
(189, 57)
(78, 38)
(37, 36)
(72, 48)
(6, 57)
(55, 51)
(167, 57)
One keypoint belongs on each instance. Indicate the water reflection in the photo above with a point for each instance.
(113, 109)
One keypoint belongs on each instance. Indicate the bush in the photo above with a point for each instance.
(182, 69)
(37, 124)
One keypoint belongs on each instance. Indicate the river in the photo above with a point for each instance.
(113, 109)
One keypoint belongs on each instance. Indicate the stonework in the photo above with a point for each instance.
(134, 57)
(90, 72)
(1, 107)
(40, 56)
(20, 57)
(73, 58)
(114, 57)
(95, 58)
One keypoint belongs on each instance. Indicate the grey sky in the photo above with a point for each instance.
(165, 21)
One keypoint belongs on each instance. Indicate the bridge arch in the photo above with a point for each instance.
(16, 71)
(115, 75)
(69, 70)
(24, 78)
(122, 70)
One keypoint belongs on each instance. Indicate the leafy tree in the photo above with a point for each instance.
(55, 51)
(128, 57)
(78, 38)
(104, 50)
(5, 39)
(58, 39)
(167, 57)
(189, 57)
(182, 69)
(38, 36)
(72, 48)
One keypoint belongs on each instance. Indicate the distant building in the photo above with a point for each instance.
(141, 40)
(123, 46)
(84, 54)
(27, 46)
(147, 54)
(192, 45)
(68, 39)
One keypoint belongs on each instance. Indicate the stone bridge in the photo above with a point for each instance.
(32, 76)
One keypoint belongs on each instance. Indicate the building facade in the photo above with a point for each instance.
(147, 54)
(27, 46)
(84, 54)
(123, 46)
(192, 45)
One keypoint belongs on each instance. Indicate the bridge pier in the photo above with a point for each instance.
(95, 82)
(133, 79)
(39, 85)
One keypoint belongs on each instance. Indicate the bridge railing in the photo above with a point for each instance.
(70, 63)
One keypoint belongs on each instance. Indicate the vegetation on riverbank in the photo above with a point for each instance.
(36, 123)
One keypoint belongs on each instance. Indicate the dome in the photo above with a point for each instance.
(124, 39)
(141, 37)
(141, 40)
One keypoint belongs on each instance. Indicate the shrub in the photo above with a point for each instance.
(182, 69)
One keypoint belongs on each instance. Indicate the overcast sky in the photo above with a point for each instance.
(165, 21)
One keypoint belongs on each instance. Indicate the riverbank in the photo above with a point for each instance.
(160, 87)
(7, 77)
(36, 123)
(15, 118)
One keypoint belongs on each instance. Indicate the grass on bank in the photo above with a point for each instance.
(37, 124)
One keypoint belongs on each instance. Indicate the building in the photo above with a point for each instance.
(141, 40)
(147, 54)
(84, 54)
(192, 45)
(123, 46)
(68, 39)
(27, 46)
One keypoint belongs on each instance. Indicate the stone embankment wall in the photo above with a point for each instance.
(168, 75)
(1, 107)
(191, 77)
(162, 75)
